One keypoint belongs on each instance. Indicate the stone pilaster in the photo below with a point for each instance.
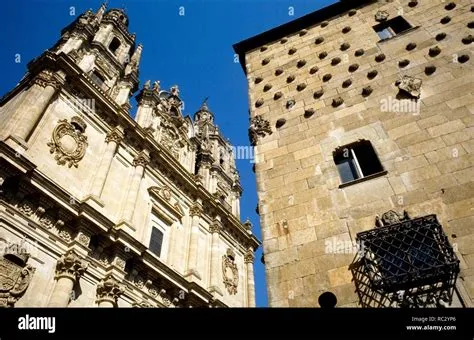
(113, 140)
(249, 259)
(215, 229)
(32, 107)
(139, 163)
(108, 291)
(69, 269)
(195, 211)
(236, 204)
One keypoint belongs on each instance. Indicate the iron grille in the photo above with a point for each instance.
(407, 257)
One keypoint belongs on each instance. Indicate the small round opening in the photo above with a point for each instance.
(327, 300)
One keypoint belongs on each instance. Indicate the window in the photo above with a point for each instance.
(356, 161)
(114, 45)
(390, 28)
(156, 241)
(97, 78)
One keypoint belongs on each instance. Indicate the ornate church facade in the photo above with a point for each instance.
(361, 114)
(99, 209)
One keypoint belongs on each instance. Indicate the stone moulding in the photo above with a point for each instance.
(68, 141)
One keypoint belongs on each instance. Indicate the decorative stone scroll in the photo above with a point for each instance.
(68, 141)
(15, 275)
(230, 272)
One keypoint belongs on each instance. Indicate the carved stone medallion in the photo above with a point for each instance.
(230, 272)
(68, 142)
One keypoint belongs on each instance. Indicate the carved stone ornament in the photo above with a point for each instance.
(70, 265)
(230, 272)
(15, 275)
(215, 226)
(381, 16)
(195, 210)
(142, 304)
(141, 159)
(115, 136)
(68, 142)
(249, 256)
(259, 127)
(109, 290)
(166, 192)
(391, 217)
(410, 85)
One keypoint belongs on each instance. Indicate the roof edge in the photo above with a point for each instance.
(242, 47)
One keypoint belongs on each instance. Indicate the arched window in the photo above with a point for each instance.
(114, 45)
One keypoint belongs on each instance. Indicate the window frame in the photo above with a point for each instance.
(114, 52)
(359, 170)
(162, 225)
(386, 25)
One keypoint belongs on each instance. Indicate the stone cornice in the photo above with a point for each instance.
(119, 238)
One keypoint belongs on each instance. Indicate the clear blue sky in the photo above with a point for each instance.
(193, 51)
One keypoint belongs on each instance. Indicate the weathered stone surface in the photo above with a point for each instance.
(425, 151)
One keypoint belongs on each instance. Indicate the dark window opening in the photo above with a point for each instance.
(356, 160)
(97, 78)
(156, 241)
(390, 28)
(114, 45)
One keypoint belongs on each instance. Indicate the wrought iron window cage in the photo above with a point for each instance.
(405, 262)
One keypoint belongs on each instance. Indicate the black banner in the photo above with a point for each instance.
(135, 323)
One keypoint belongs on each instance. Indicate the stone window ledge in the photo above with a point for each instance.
(399, 35)
(363, 179)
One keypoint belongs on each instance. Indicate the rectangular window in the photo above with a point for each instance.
(390, 28)
(156, 241)
(356, 160)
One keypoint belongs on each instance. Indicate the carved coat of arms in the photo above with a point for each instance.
(230, 272)
(68, 142)
(15, 277)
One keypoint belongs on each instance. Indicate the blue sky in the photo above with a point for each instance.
(193, 51)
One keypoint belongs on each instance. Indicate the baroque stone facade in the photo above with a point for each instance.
(99, 209)
(363, 107)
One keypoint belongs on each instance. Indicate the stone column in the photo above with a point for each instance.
(215, 229)
(195, 212)
(108, 291)
(68, 272)
(139, 163)
(248, 259)
(36, 100)
(112, 139)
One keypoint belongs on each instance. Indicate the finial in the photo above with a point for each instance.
(204, 104)
(174, 90)
(147, 84)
